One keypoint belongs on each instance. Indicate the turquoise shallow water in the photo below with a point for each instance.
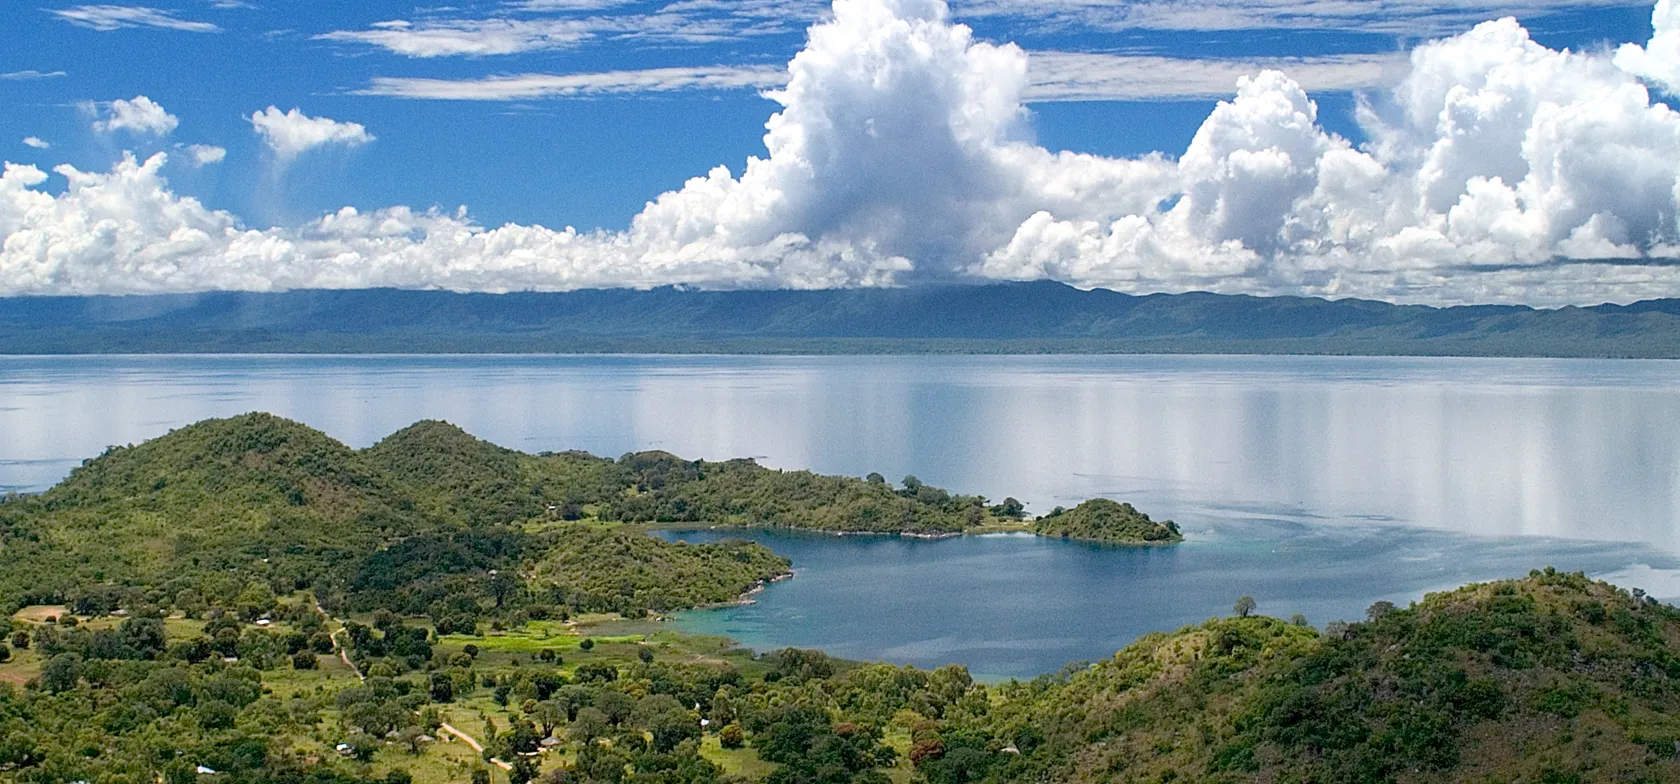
(1317, 484)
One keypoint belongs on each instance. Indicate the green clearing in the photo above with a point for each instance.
(743, 762)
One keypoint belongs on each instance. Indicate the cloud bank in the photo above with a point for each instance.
(1497, 170)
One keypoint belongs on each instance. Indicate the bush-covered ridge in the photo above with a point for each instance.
(1550, 678)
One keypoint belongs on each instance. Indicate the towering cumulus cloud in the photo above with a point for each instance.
(1497, 170)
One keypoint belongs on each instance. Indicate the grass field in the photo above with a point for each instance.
(743, 762)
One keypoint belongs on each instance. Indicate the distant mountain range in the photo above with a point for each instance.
(1038, 317)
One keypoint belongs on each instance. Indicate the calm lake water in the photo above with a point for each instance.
(1317, 485)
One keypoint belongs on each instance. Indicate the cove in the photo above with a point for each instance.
(1018, 605)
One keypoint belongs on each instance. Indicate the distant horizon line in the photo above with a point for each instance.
(927, 285)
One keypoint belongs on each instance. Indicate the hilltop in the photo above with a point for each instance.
(1040, 317)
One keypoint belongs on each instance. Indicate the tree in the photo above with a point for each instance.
(616, 705)
(502, 584)
(304, 660)
(590, 724)
(61, 673)
(1378, 609)
(524, 770)
(1336, 630)
(731, 736)
(362, 746)
(410, 737)
(646, 655)
(549, 715)
(20, 640)
(1010, 508)
(587, 644)
(875, 478)
(1298, 620)
(480, 776)
(442, 687)
(1245, 606)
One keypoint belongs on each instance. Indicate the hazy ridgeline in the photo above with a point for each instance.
(997, 318)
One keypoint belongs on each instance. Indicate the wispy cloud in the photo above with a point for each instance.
(36, 142)
(1054, 76)
(106, 18)
(1400, 17)
(687, 24)
(517, 87)
(469, 37)
(1080, 76)
(547, 6)
(30, 75)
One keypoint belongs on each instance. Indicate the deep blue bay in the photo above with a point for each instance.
(1315, 484)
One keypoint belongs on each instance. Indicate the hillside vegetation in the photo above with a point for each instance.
(260, 504)
(1104, 520)
(1553, 678)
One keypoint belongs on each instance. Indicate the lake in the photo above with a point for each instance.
(1315, 484)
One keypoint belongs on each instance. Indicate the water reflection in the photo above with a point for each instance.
(1577, 449)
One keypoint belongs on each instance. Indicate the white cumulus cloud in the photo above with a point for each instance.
(36, 142)
(140, 115)
(202, 155)
(1659, 59)
(292, 133)
(1498, 170)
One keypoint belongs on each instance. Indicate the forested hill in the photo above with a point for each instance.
(274, 500)
(1553, 678)
(1011, 317)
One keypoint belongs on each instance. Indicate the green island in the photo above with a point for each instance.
(247, 600)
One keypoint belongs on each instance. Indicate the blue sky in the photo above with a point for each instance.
(579, 112)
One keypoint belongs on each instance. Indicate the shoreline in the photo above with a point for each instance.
(979, 530)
